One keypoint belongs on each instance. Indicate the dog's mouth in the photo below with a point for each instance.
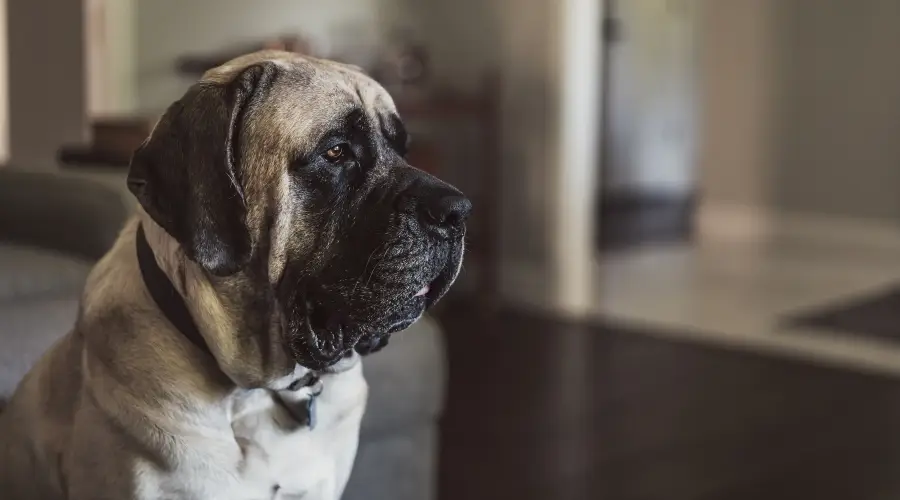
(329, 323)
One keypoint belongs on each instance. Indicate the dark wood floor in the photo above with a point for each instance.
(539, 409)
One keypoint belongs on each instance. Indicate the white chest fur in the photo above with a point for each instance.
(281, 459)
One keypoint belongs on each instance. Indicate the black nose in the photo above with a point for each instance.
(446, 210)
(436, 203)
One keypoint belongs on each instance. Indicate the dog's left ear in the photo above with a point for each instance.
(186, 175)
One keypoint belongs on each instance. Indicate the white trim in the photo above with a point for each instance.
(572, 217)
(110, 43)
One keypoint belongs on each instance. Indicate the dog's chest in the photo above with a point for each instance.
(284, 457)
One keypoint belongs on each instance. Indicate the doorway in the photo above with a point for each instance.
(647, 163)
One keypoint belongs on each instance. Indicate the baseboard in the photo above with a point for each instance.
(724, 222)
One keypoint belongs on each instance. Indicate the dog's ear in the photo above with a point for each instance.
(186, 175)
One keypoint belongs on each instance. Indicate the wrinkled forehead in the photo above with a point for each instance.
(308, 98)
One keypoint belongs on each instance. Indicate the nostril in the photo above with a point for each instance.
(459, 209)
(450, 211)
(434, 203)
(433, 216)
(453, 220)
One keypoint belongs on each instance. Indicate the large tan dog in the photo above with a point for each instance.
(217, 350)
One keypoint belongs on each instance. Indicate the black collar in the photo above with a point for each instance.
(172, 305)
(167, 298)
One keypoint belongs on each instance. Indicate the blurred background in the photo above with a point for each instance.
(683, 277)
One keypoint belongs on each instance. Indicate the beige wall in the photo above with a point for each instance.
(47, 85)
(802, 106)
(737, 89)
(837, 140)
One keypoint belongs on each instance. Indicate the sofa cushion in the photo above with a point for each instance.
(27, 272)
(406, 380)
(27, 329)
(397, 466)
(78, 213)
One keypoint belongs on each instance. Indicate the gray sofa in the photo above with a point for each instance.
(53, 226)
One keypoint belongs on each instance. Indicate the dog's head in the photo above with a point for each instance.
(289, 172)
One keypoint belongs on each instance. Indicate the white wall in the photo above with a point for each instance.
(47, 84)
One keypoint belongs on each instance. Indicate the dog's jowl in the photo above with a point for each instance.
(281, 237)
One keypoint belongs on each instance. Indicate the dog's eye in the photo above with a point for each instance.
(336, 153)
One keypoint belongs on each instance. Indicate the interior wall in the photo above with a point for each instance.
(837, 121)
(737, 87)
(802, 106)
(47, 84)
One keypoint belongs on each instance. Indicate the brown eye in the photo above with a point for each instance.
(336, 154)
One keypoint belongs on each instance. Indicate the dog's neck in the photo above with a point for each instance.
(167, 298)
(223, 314)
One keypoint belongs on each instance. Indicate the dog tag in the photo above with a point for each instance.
(311, 412)
(303, 412)
(305, 381)
(316, 387)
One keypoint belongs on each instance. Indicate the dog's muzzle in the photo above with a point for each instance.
(385, 278)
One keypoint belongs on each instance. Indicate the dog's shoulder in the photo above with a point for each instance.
(127, 337)
(37, 424)
(114, 284)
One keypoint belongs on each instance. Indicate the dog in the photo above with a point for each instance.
(280, 237)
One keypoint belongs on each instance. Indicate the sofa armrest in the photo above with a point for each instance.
(59, 211)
